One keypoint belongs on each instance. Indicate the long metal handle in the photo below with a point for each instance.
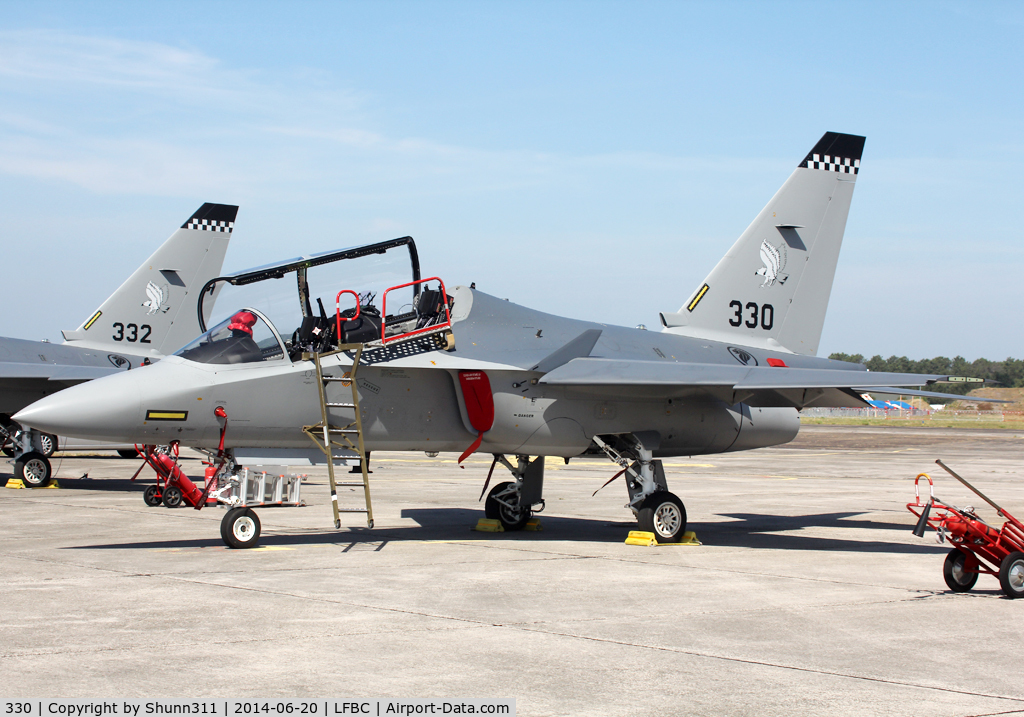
(976, 491)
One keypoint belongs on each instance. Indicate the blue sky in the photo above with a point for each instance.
(589, 159)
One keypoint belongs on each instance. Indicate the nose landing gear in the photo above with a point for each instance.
(656, 509)
(31, 451)
(513, 502)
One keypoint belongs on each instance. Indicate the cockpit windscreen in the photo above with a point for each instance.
(241, 338)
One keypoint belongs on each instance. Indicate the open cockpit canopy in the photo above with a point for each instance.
(368, 270)
(365, 294)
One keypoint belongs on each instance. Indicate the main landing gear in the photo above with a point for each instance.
(656, 509)
(31, 451)
(514, 502)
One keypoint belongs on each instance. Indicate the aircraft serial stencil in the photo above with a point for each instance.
(418, 366)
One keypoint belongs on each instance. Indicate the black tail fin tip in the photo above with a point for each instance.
(216, 217)
(836, 152)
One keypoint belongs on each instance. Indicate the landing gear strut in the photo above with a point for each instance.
(656, 509)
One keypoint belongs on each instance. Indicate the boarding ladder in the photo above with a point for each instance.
(349, 437)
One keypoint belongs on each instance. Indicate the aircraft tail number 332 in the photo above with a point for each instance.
(133, 332)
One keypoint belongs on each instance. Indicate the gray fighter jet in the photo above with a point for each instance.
(459, 370)
(152, 314)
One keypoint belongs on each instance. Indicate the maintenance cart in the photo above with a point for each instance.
(977, 547)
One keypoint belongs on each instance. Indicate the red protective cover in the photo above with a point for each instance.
(476, 390)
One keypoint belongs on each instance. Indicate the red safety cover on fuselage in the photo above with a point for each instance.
(476, 390)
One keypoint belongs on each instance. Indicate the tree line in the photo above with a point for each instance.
(1008, 373)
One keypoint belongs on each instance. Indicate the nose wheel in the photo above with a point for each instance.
(240, 528)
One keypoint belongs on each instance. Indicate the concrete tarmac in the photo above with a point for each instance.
(809, 595)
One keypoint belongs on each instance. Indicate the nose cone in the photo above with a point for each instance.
(106, 408)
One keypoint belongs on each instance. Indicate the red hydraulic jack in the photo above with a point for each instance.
(173, 487)
(977, 547)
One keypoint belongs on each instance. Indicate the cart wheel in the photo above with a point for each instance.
(663, 514)
(33, 469)
(152, 496)
(1011, 575)
(958, 570)
(240, 528)
(128, 453)
(172, 497)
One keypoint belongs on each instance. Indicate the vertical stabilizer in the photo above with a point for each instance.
(155, 309)
(772, 287)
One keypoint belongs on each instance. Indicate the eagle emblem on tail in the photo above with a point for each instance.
(774, 262)
(157, 296)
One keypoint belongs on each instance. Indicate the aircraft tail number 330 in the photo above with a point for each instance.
(752, 315)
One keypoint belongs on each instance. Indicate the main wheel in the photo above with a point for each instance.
(153, 496)
(240, 528)
(1011, 575)
(33, 469)
(172, 497)
(49, 444)
(960, 571)
(663, 514)
(512, 518)
(128, 453)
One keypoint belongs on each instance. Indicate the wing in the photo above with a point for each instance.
(12, 371)
(759, 386)
(153, 292)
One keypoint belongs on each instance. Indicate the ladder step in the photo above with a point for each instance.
(339, 430)
(340, 405)
(336, 378)
(350, 484)
(353, 510)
